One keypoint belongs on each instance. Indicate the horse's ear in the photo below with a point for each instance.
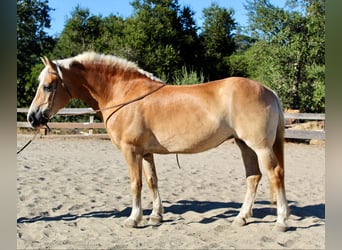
(43, 59)
(47, 62)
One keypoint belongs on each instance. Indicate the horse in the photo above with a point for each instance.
(144, 116)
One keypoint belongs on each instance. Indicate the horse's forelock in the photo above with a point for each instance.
(42, 75)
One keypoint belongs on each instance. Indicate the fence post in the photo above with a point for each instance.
(91, 120)
(42, 131)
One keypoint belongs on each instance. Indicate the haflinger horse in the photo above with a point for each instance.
(144, 116)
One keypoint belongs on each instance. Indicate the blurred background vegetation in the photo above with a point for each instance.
(284, 48)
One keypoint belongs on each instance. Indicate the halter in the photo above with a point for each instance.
(60, 76)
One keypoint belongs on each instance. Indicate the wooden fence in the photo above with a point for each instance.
(290, 133)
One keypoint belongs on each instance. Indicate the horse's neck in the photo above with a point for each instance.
(81, 89)
(109, 89)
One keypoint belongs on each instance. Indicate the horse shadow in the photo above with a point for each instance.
(231, 209)
(310, 211)
(177, 208)
(72, 217)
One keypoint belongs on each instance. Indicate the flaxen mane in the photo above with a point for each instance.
(114, 61)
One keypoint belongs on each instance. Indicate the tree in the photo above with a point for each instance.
(217, 41)
(32, 41)
(112, 39)
(189, 42)
(313, 96)
(80, 33)
(239, 62)
(161, 36)
(289, 53)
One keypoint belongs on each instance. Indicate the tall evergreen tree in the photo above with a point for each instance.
(217, 41)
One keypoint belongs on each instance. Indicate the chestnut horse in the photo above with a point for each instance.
(143, 116)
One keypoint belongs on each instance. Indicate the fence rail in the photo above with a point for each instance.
(289, 132)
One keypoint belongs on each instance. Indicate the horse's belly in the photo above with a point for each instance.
(192, 141)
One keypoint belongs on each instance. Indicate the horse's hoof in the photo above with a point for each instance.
(239, 222)
(155, 220)
(280, 228)
(129, 223)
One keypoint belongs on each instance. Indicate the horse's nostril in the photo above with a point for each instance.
(32, 120)
(37, 118)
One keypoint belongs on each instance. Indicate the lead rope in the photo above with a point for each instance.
(28, 143)
(121, 105)
(31, 140)
(177, 161)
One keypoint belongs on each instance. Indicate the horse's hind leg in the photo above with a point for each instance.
(275, 172)
(156, 216)
(253, 176)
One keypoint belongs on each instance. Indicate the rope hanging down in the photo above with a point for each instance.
(29, 142)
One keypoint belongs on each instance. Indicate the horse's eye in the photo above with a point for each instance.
(48, 88)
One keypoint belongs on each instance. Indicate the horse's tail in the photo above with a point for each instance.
(278, 149)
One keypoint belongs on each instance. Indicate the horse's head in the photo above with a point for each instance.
(51, 95)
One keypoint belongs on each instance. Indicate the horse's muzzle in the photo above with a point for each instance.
(37, 118)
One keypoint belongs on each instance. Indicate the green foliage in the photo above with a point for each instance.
(186, 77)
(312, 92)
(239, 65)
(289, 53)
(217, 41)
(160, 36)
(79, 34)
(111, 39)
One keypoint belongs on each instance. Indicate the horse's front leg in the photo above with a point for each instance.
(156, 216)
(134, 163)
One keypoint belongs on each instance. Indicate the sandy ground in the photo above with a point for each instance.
(74, 194)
